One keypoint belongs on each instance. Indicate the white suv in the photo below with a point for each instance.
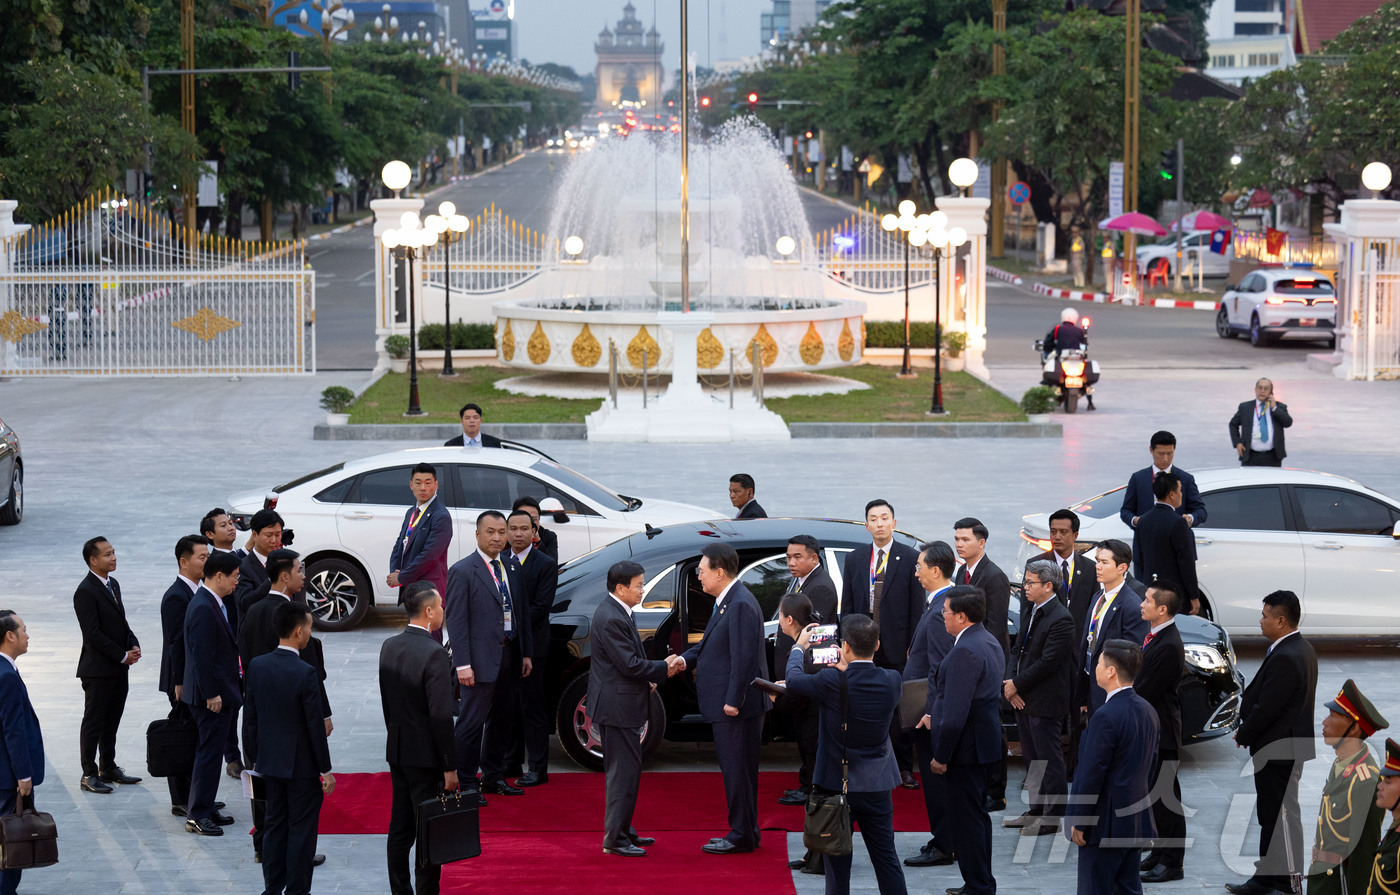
(347, 516)
(1279, 303)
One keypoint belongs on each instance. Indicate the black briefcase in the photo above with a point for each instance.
(170, 744)
(448, 829)
(28, 838)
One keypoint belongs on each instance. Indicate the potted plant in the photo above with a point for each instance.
(336, 401)
(1037, 403)
(954, 344)
(397, 348)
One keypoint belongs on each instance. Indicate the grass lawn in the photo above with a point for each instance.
(891, 400)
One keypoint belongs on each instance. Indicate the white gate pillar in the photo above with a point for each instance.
(1366, 226)
(971, 215)
(387, 214)
(9, 232)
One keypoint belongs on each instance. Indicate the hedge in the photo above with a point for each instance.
(464, 336)
(890, 334)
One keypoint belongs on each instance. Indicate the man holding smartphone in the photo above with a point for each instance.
(1257, 427)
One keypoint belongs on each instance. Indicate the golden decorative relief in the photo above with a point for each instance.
(708, 351)
(862, 332)
(586, 348)
(538, 347)
(14, 327)
(811, 348)
(846, 344)
(206, 324)
(770, 347)
(643, 341)
(507, 343)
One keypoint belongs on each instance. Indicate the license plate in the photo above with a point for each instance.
(1074, 382)
(1308, 321)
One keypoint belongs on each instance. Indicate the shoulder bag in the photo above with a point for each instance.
(827, 826)
(28, 838)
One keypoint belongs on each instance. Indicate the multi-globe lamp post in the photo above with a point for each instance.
(450, 227)
(403, 244)
(905, 223)
(931, 230)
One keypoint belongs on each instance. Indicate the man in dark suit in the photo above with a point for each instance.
(415, 692)
(217, 525)
(539, 579)
(285, 737)
(1163, 664)
(265, 536)
(491, 648)
(1078, 583)
(191, 551)
(420, 550)
(1276, 725)
(1163, 547)
(104, 665)
(1116, 614)
(620, 681)
(1110, 821)
(879, 581)
(930, 645)
(978, 570)
(213, 688)
(258, 636)
(472, 436)
(545, 539)
(741, 488)
(868, 697)
(809, 578)
(1137, 497)
(1039, 679)
(967, 739)
(1256, 429)
(726, 660)
(21, 743)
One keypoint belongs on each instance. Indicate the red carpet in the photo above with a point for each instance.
(550, 838)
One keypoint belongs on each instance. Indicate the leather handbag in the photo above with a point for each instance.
(826, 829)
(448, 829)
(170, 743)
(28, 838)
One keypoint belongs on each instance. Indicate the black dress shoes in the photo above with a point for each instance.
(929, 857)
(532, 779)
(234, 769)
(117, 775)
(204, 826)
(907, 780)
(725, 847)
(318, 860)
(179, 810)
(796, 865)
(1248, 887)
(625, 851)
(221, 818)
(1161, 874)
(793, 797)
(95, 784)
(501, 788)
(642, 841)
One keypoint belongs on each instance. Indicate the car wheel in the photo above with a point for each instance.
(1222, 325)
(13, 510)
(337, 593)
(583, 740)
(1257, 337)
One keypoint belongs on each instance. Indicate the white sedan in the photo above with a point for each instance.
(1195, 250)
(1279, 303)
(347, 516)
(1332, 541)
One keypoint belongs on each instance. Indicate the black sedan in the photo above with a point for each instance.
(674, 612)
(11, 477)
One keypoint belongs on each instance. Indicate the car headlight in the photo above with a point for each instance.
(1206, 658)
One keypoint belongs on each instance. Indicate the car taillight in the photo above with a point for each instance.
(1273, 300)
(1041, 543)
(1324, 301)
(1073, 367)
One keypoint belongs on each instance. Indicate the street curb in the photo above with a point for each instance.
(1101, 298)
(1004, 275)
(1072, 295)
(1175, 303)
(346, 228)
(579, 431)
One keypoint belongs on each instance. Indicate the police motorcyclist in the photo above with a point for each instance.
(1068, 335)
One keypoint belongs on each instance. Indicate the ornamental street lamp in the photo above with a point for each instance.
(404, 244)
(451, 227)
(905, 222)
(963, 173)
(929, 230)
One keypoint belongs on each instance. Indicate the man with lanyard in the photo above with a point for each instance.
(420, 550)
(1116, 615)
(1385, 867)
(1349, 821)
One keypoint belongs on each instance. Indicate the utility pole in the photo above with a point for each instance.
(998, 248)
(1180, 199)
(1131, 82)
(187, 114)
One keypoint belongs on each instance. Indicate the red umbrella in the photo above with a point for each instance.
(1136, 222)
(1204, 220)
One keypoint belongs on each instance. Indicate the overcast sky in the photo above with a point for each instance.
(564, 31)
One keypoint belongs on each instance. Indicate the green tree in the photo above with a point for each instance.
(94, 34)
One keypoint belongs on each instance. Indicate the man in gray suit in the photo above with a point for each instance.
(491, 646)
(620, 681)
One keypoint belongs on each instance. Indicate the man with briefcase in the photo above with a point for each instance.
(21, 764)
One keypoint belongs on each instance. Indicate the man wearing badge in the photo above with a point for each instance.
(1385, 867)
(1349, 820)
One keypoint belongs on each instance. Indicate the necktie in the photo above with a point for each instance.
(1030, 626)
(877, 586)
(112, 591)
(1263, 424)
(795, 586)
(1099, 611)
(966, 578)
(1065, 576)
(505, 598)
(1148, 639)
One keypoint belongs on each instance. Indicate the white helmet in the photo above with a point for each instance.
(1069, 315)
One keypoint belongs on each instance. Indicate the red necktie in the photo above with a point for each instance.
(1148, 639)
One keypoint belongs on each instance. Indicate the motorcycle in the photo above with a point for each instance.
(1070, 371)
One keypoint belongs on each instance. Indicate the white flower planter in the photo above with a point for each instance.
(337, 419)
(398, 364)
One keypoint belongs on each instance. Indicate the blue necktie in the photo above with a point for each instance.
(1263, 424)
(505, 596)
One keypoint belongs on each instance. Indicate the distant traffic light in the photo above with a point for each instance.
(1169, 161)
(705, 101)
(809, 135)
(753, 100)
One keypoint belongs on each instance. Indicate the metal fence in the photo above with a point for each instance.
(861, 253)
(109, 289)
(495, 254)
(1375, 316)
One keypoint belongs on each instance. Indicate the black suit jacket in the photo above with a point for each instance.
(211, 654)
(728, 658)
(1110, 791)
(1042, 665)
(967, 709)
(257, 636)
(932, 643)
(752, 510)
(1163, 547)
(539, 579)
(549, 542)
(1122, 620)
(1277, 706)
(1138, 499)
(106, 635)
(872, 697)
(1242, 428)
(619, 674)
(1079, 596)
(415, 691)
(901, 601)
(819, 589)
(284, 735)
(487, 441)
(997, 587)
(1163, 663)
(172, 627)
(252, 586)
(475, 615)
